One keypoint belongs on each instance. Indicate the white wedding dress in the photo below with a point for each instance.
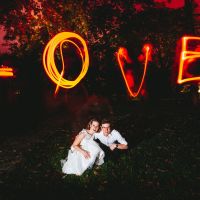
(76, 163)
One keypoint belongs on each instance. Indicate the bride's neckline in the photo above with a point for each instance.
(88, 132)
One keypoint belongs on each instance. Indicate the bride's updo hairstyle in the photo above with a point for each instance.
(90, 122)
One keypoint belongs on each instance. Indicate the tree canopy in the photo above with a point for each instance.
(104, 24)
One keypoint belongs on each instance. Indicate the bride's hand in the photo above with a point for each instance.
(86, 154)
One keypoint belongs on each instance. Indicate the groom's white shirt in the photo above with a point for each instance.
(111, 138)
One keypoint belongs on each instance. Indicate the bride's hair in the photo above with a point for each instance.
(90, 122)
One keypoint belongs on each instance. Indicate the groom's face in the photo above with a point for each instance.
(105, 129)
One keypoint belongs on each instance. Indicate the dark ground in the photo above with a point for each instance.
(162, 162)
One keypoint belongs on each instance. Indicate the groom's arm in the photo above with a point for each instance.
(122, 143)
(121, 146)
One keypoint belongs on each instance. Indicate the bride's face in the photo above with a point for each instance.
(94, 127)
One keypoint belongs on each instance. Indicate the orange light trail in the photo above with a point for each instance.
(49, 62)
(187, 57)
(6, 72)
(123, 54)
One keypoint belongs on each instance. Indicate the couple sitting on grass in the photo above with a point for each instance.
(85, 151)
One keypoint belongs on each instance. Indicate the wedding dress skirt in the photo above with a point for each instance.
(76, 163)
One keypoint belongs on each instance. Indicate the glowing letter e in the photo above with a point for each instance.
(186, 57)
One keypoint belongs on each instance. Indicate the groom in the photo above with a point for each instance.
(113, 142)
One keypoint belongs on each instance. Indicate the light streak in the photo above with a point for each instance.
(187, 57)
(6, 71)
(49, 62)
(129, 81)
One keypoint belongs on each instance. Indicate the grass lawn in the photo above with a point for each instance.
(162, 162)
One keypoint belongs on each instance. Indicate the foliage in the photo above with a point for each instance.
(33, 23)
(105, 25)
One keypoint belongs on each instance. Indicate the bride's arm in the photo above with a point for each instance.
(76, 145)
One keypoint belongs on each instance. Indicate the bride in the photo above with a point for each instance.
(84, 152)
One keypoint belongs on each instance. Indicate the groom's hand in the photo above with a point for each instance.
(112, 146)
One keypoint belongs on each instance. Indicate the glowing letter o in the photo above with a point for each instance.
(49, 62)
